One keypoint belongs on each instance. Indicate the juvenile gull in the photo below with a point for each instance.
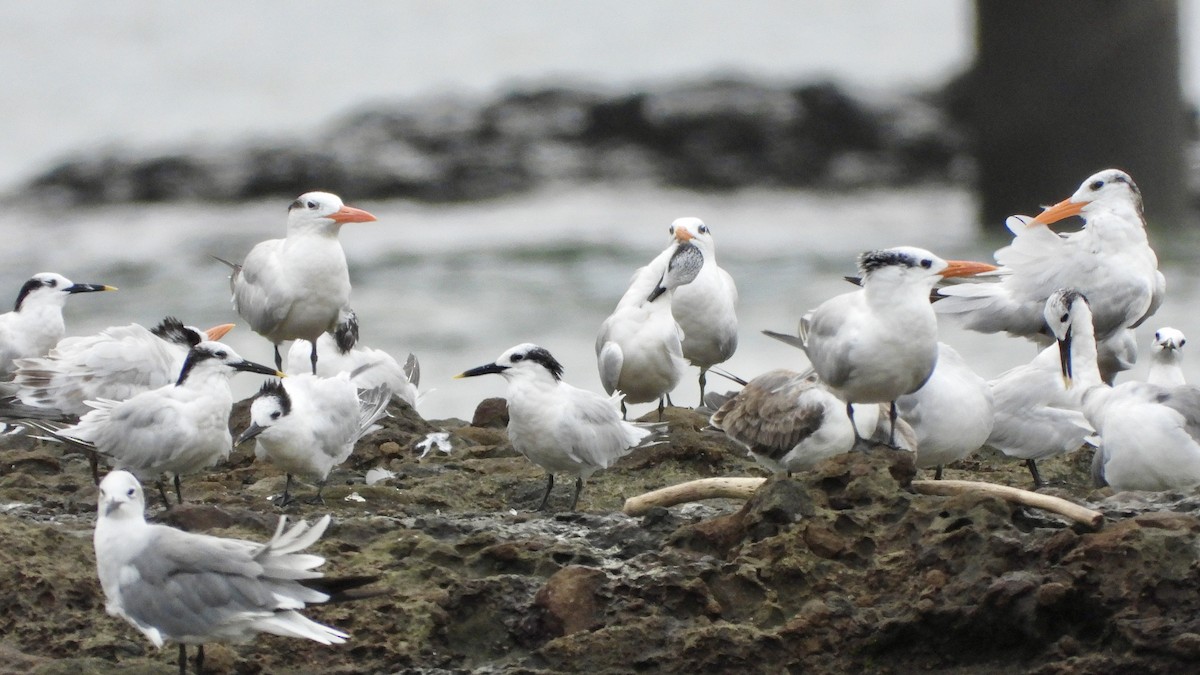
(194, 588)
(36, 322)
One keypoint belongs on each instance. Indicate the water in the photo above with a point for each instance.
(459, 284)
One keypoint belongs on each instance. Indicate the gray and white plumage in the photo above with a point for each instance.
(297, 287)
(307, 424)
(951, 414)
(1149, 433)
(176, 429)
(36, 323)
(116, 363)
(375, 367)
(194, 588)
(639, 349)
(1109, 260)
(1166, 357)
(559, 427)
(791, 421)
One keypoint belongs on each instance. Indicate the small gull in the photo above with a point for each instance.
(36, 323)
(559, 427)
(1166, 358)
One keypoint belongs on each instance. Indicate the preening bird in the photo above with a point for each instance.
(116, 363)
(308, 424)
(194, 588)
(375, 367)
(297, 287)
(36, 322)
(561, 428)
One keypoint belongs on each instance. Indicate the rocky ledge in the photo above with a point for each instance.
(843, 569)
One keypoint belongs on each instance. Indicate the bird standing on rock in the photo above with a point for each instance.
(36, 323)
(297, 287)
(561, 428)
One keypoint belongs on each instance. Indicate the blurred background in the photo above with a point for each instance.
(524, 158)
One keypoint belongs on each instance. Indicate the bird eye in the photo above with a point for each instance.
(671, 230)
(312, 205)
(1064, 317)
(703, 229)
(51, 282)
(927, 263)
(221, 354)
(1182, 342)
(275, 415)
(517, 357)
(129, 493)
(1096, 185)
(1157, 336)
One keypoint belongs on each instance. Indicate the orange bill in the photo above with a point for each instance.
(218, 332)
(966, 268)
(349, 214)
(1064, 209)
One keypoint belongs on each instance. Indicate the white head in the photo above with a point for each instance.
(1169, 340)
(214, 357)
(50, 289)
(1068, 316)
(121, 497)
(683, 268)
(271, 404)
(527, 361)
(323, 212)
(1111, 189)
(909, 264)
(695, 231)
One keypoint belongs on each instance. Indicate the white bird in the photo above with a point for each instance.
(176, 429)
(639, 350)
(878, 343)
(116, 363)
(1149, 434)
(1109, 260)
(1166, 358)
(951, 414)
(561, 428)
(705, 308)
(194, 588)
(791, 421)
(296, 288)
(375, 367)
(36, 322)
(307, 425)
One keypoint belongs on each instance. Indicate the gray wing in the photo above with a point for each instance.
(609, 359)
(1184, 400)
(772, 414)
(255, 288)
(597, 435)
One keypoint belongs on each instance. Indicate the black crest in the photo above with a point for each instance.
(539, 355)
(275, 388)
(345, 334)
(1070, 295)
(872, 260)
(29, 287)
(173, 330)
(196, 356)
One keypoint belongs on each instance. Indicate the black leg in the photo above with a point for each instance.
(94, 462)
(199, 660)
(668, 395)
(318, 499)
(624, 413)
(286, 497)
(703, 383)
(937, 475)
(578, 489)
(850, 414)
(178, 490)
(313, 357)
(1037, 477)
(278, 360)
(546, 497)
(892, 415)
(182, 660)
(660, 408)
(162, 492)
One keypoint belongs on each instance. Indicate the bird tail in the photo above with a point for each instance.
(54, 433)
(372, 407)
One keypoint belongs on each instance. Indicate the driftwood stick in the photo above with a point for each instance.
(693, 491)
(1062, 507)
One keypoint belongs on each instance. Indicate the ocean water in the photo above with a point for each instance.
(459, 284)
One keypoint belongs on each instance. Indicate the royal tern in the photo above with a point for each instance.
(195, 588)
(705, 308)
(1109, 260)
(791, 421)
(951, 414)
(116, 363)
(1149, 433)
(36, 322)
(639, 349)
(878, 343)
(1166, 358)
(176, 429)
(559, 427)
(308, 424)
(375, 367)
(297, 287)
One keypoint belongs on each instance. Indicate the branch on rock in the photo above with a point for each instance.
(693, 491)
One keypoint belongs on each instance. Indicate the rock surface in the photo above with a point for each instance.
(841, 569)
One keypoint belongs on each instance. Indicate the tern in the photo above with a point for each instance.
(297, 287)
(375, 367)
(307, 424)
(951, 414)
(195, 588)
(639, 350)
(791, 421)
(1166, 358)
(1109, 260)
(559, 427)
(1149, 433)
(117, 363)
(878, 343)
(176, 429)
(36, 322)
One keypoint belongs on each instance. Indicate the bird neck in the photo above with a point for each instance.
(896, 297)
(1085, 366)
(1166, 369)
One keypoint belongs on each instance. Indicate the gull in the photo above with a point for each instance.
(791, 421)
(297, 287)
(36, 322)
(1149, 433)
(375, 367)
(1166, 358)
(176, 429)
(706, 307)
(116, 363)
(308, 424)
(1109, 260)
(639, 350)
(194, 588)
(952, 414)
(878, 343)
(559, 427)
